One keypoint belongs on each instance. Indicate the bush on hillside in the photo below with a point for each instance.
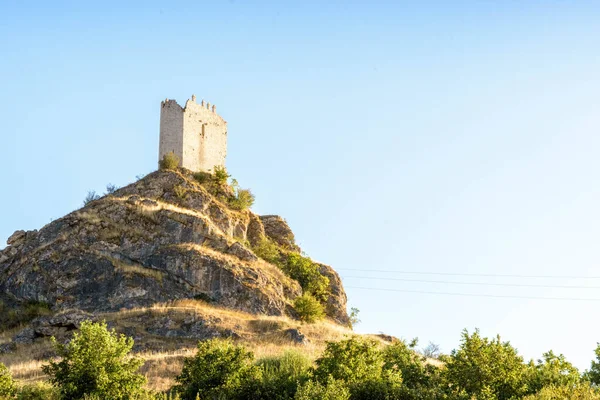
(170, 161)
(281, 375)
(268, 251)
(308, 275)
(220, 175)
(219, 369)
(300, 268)
(566, 392)
(96, 362)
(593, 374)
(353, 317)
(202, 177)
(37, 391)
(242, 200)
(332, 390)
(308, 308)
(483, 367)
(388, 386)
(180, 191)
(421, 380)
(350, 360)
(7, 385)
(359, 363)
(551, 370)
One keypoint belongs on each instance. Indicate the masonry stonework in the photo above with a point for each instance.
(195, 133)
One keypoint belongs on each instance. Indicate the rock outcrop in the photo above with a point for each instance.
(162, 238)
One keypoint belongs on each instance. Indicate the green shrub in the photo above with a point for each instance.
(421, 380)
(551, 370)
(243, 200)
(483, 367)
(7, 385)
(202, 177)
(268, 251)
(297, 267)
(219, 369)
(38, 391)
(307, 273)
(96, 362)
(353, 317)
(593, 375)
(282, 374)
(332, 390)
(387, 387)
(350, 360)
(170, 161)
(308, 308)
(566, 392)
(220, 175)
(179, 191)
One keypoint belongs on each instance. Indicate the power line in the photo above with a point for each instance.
(472, 294)
(471, 274)
(474, 283)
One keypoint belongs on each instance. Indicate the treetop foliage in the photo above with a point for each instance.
(96, 362)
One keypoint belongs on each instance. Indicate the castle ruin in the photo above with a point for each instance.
(195, 133)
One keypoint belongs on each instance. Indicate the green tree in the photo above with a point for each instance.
(551, 370)
(486, 368)
(421, 380)
(219, 370)
(350, 360)
(581, 391)
(354, 320)
(331, 390)
(7, 385)
(593, 374)
(96, 362)
(308, 308)
(359, 363)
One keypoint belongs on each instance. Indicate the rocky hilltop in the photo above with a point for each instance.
(169, 236)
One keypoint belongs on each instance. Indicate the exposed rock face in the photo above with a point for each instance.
(277, 229)
(58, 326)
(159, 239)
(336, 302)
(297, 337)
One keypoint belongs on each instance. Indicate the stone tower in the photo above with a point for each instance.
(195, 133)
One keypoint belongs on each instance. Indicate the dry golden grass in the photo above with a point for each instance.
(264, 335)
(132, 269)
(26, 362)
(161, 368)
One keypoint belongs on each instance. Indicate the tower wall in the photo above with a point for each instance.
(196, 133)
(171, 128)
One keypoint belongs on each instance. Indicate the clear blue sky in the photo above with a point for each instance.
(406, 136)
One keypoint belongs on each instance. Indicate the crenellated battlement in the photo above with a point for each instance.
(195, 133)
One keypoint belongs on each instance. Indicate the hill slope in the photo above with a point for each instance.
(165, 237)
